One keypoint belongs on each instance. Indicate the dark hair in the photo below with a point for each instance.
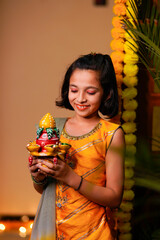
(102, 64)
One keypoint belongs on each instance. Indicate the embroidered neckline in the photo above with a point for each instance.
(66, 135)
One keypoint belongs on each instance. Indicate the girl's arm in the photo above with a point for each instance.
(110, 195)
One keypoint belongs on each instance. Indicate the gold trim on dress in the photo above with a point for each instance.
(65, 134)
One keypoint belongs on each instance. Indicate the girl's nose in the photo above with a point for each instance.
(81, 97)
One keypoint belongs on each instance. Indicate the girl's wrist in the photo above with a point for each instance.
(75, 181)
(42, 182)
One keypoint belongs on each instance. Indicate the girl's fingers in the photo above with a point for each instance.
(47, 169)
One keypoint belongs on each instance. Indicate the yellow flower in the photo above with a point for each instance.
(128, 116)
(116, 22)
(130, 12)
(125, 236)
(126, 206)
(119, 9)
(122, 216)
(117, 33)
(129, 93)
(130, 70)
(117, 56)
(118, 67)
(124, 227)
(129, 173)
(131, 150)
(128, 195)
(130, 161)
(130, 138)
(130, 46)
(129, 183)
(129, 127)
(130, 81)
(117, 45)
(129, 35)
(131, 58)
(129, 104)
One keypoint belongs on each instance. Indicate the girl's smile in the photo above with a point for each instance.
(82, 107)
(85, 92)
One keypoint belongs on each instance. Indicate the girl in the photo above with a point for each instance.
(91, 184)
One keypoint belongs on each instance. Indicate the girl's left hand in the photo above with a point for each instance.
(60, 171)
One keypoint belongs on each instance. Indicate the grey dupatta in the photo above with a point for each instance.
(44, 226)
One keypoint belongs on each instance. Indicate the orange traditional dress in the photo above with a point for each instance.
(77, 217)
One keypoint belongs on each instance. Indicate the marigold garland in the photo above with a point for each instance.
(125, 63)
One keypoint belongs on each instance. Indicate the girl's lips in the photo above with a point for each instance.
(81, 107)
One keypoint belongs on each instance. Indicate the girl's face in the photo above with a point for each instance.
(85, 92)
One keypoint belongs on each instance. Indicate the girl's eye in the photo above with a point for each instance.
(91, 93)
(73, 90)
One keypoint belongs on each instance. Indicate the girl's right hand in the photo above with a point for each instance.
(38, 174)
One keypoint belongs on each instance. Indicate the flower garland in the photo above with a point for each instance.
(125, 63)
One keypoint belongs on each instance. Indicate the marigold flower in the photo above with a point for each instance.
(129, 183)
(131, 58)
(130, 70)
(130, 81)
(130, 150)
(117, 22)
(126, 206)
(130, 161)
(122, 216)
(119, 9)
(124, 227)
(130, 12)
(130, 104)
(130, 138)
(125, 236)
(118, 67)
(129, 93)
(129, 115)
(119, 78)
(117, 56)
(129, 173)
(129, 35)
(117, 45)
(128, 195)
(117, 33)
(130, 46)
(129, 127)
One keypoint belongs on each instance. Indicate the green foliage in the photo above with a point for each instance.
(145, 30)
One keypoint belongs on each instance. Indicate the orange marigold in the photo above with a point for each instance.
(117, 33)
(117, 45)
(118, 67)
(117, 56)
(119, 9)
(116, 22)
(119, 78)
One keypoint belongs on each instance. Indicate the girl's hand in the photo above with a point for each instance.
(35, 171)
(60, 170)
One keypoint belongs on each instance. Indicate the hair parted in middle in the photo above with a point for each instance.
(102, 64)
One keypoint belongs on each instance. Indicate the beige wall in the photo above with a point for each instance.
(38, 39)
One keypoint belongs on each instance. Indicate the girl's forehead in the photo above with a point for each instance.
(85, 77)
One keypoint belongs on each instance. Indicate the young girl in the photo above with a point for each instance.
(91, 184)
